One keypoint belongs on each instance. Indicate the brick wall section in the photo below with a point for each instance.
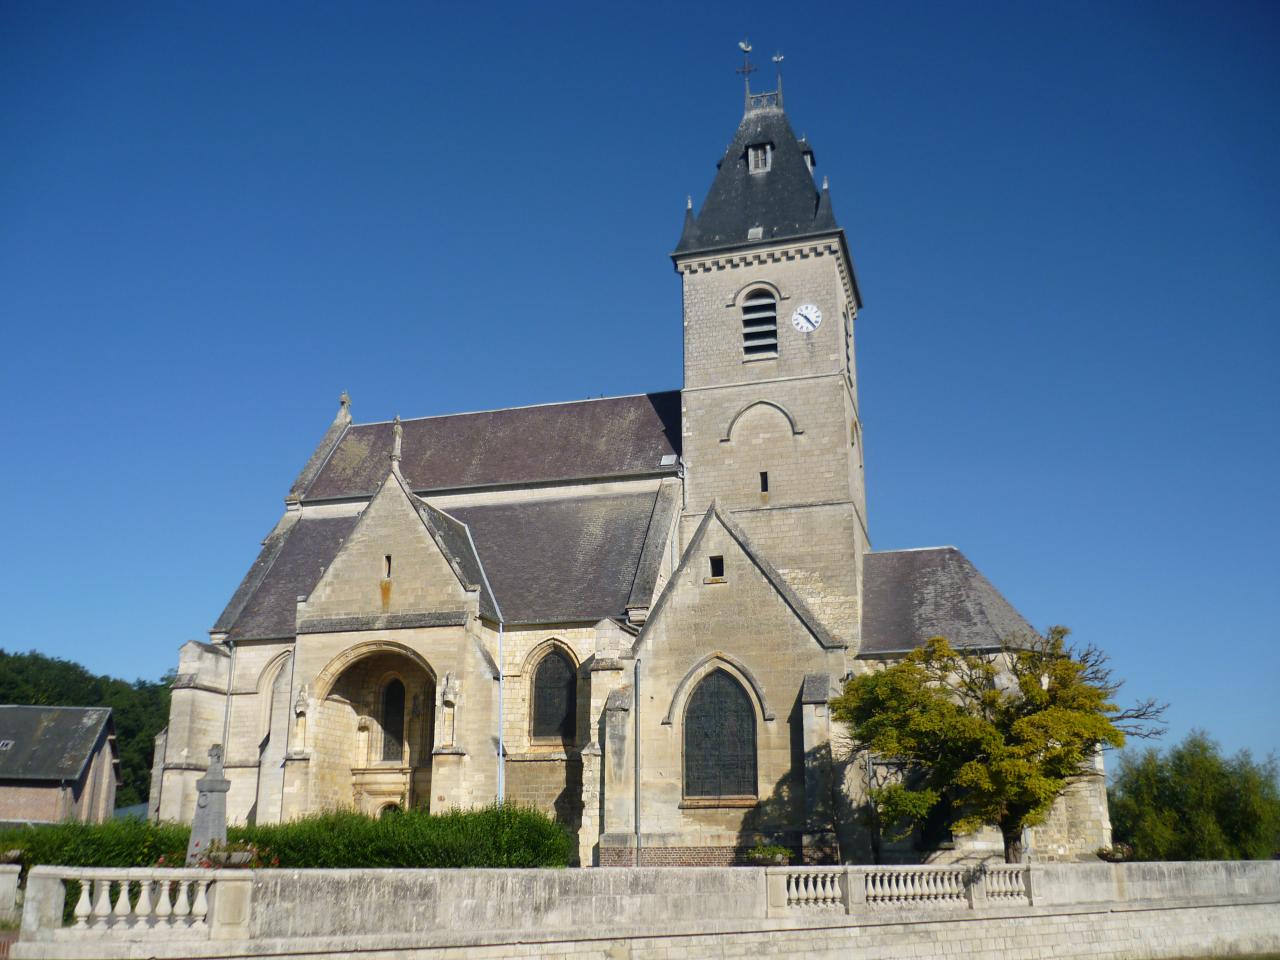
(674, 856)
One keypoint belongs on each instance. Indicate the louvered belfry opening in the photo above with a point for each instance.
(759, 325)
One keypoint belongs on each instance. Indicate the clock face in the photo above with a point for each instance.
(807, 318)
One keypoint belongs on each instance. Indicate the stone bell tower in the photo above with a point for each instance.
(771, 430)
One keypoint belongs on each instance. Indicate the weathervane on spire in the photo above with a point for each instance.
(746, 69)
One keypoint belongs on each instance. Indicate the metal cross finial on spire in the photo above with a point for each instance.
(746, 69)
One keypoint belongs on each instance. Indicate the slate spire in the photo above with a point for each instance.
(764, 190)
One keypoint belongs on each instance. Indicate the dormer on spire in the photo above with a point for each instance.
(344, 407)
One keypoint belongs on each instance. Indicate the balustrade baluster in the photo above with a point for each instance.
(181, 905)
(120, 912)
(142, 909)
(164, 907)
(83, 906)
(101, 903)
(201, 908)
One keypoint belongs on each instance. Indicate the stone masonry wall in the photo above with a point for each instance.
(793, 417)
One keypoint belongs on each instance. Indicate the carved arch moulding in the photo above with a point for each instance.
(711, 662)
(326, 678)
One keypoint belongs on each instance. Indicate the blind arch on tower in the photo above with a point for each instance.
(554, 712)
(719, 739)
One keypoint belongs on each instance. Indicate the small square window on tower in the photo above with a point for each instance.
(717, 568)
(759, 156)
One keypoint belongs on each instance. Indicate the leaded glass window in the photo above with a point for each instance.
(393, 721)
(555, 697)
(719, 739)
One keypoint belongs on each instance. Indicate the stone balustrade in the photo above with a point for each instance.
(145, 903)
(851, 888)
(918, 885)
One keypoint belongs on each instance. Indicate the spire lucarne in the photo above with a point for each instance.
(763, 199)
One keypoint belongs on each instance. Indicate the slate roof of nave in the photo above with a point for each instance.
(564, 559)
(49, 743)
(606, 438)
(555, 560)
(910, 596)
(289, 566)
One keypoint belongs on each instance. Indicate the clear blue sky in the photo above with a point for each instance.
(1065, 217)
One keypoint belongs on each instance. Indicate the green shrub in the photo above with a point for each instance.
(494, 836)
(116, 843)
(766, 854)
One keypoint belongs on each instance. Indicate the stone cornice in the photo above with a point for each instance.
(734, 259)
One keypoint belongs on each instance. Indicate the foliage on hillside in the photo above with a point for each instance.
(1192, 803)
(139, 709)
(495, 836)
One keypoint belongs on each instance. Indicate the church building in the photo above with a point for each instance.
(629, 612)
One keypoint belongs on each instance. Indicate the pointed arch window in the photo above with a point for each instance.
(719, 739)
(393, 721)
(759, 325)
(555, 697)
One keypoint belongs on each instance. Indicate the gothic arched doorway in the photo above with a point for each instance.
(374, 732)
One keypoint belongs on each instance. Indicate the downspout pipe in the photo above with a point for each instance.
(635, 686)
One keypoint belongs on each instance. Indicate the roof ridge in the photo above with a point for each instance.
(941, 546)
(53, 706)
(527, 406)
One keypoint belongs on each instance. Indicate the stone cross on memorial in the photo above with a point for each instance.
(209, 826)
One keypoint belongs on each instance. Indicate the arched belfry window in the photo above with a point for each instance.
(555, 697)
(759, 325)
(719, 739)
(393, 721)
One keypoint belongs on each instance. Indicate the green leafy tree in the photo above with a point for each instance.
(987, 738)
(1195, 804)
(139, 709)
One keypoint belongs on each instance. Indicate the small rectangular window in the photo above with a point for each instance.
(758, 157)
(386, 567)
(764, 481)
(717, 568)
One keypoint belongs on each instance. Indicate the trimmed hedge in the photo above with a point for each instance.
(494, 836)
(116, 843)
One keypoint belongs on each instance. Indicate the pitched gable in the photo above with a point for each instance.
(749, 591)
(424, 577)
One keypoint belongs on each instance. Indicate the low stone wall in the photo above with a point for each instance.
(312, 903)
(9, 892)
(1129, 911)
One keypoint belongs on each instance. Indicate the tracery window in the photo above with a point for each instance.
(759, 325)
(555, 697)
(393, 721)
(719, 739)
